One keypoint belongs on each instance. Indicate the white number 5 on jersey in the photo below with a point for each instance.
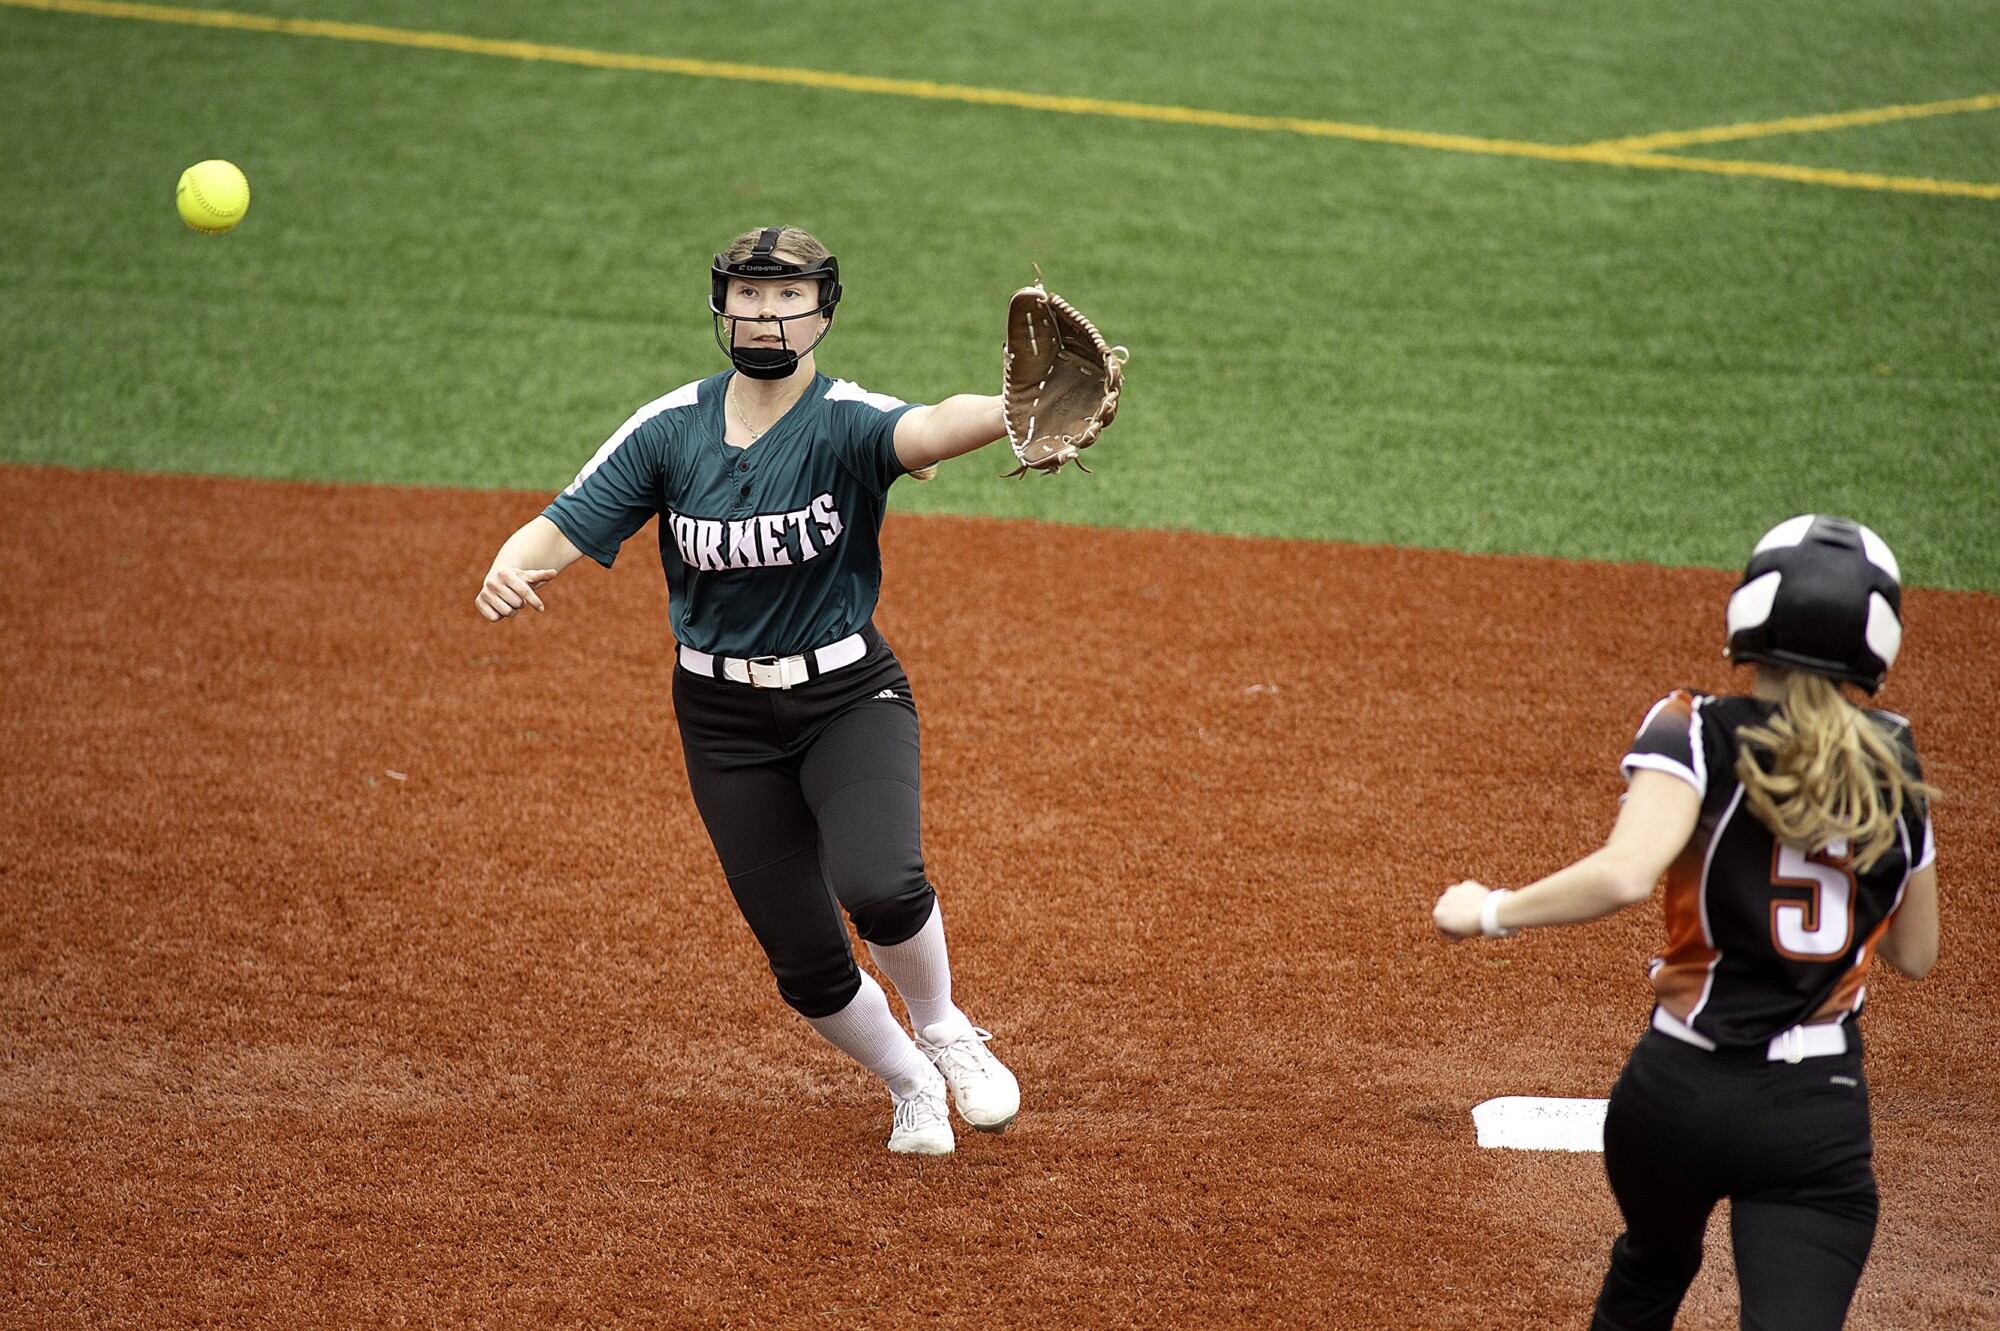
(1822, 925)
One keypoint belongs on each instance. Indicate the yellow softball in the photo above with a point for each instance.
(212, 196)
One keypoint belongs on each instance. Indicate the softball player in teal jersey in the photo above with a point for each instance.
(797, 723)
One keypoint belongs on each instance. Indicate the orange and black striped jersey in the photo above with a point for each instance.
(1763, 936)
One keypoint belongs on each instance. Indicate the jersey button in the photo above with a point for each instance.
(746, 492)
(743, 466)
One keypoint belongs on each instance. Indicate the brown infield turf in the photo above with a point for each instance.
(365, 963)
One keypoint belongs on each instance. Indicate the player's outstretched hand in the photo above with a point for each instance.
(507, 590)
(1456, 914)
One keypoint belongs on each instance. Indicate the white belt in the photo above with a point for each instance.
(1800, 1042)
(777, 672)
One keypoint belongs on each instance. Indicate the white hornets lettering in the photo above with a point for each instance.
(765, 541)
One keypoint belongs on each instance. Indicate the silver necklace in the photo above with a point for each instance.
(744, 416)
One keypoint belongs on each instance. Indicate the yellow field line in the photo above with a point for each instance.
(1804, 175)
(810, 78)
(1608, 154)
(1759, 129)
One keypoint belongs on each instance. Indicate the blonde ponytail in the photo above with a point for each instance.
(1822, 770)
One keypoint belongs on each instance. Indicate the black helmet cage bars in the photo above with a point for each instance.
(763, 265)
(1821, 594)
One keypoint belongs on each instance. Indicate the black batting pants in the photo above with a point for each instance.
(1788, 1143)
(810, 795)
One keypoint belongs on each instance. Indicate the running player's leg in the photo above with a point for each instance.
(1798, 1263)
(1660, 1191)
(767, 840)
(768, 844)
(861, 780)
(1801, 1243)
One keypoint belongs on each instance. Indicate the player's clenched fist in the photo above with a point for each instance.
(1456, 914)
(507, 590)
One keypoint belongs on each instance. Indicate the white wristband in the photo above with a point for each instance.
(1489, 914)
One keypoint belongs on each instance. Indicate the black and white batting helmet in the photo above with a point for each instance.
(1820, 594)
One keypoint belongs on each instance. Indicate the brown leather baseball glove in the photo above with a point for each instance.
(1061, 381)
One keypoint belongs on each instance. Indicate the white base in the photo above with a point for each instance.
(1540, 1123)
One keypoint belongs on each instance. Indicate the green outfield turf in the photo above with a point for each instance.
(463, 269)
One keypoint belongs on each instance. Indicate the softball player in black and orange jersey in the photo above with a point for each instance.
(1793, 832)
(798, 728)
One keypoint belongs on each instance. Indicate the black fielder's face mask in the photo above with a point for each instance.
(762, 265)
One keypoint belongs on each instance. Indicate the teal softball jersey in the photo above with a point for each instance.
(770, 550)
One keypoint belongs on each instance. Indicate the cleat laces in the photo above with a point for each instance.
(926, 1109)
(966, 1054)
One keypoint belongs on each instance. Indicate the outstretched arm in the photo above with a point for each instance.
(1653, 827)
(530, 558)
(955, 426)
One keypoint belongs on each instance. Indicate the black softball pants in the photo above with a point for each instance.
(810, 795)
(1788, 1143)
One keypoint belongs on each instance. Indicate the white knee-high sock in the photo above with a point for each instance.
(921, 971)
(866, 1031)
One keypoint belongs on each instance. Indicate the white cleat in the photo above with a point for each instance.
(923, 1122)
(986, 1093)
